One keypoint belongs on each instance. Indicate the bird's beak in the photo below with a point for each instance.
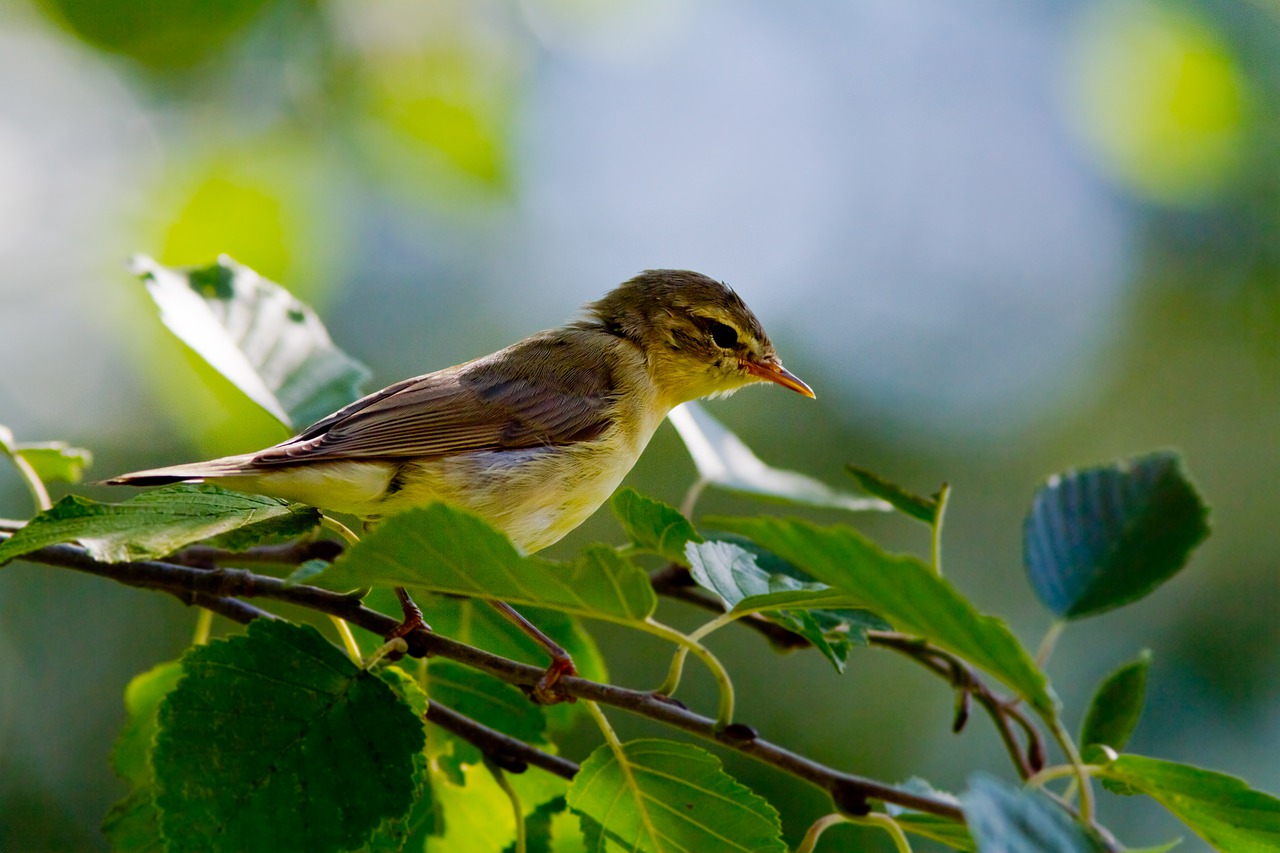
(772, 370)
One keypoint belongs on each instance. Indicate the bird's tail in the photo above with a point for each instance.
(193, 472)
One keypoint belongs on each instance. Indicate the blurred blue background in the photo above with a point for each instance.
(998, 238)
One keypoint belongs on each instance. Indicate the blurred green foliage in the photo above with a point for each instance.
(274, 123)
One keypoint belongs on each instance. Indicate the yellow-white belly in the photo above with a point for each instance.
(534, 495)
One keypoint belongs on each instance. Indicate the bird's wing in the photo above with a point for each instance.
(547, 390)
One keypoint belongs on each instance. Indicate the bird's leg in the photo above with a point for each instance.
(412, 616)
(561, 663)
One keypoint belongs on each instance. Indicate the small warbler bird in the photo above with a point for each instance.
(532, 438)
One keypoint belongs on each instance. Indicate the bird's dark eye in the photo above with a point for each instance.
(725, 336)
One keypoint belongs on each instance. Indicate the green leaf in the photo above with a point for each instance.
(908, 503)
(904, 591)
(1116, 706)
(55, 461)
(134, 822)
(1221, 809)
(1102, 538)
(653, 526)
(275, 739)
(826, 617)
(256, 334)
(662, 796)
(443, 549)
(723, 460)
(160, 522)
(1004, 819)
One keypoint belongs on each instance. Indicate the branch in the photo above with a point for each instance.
(1004, 711)
(849, 792)
(509, 753)
(673, 581)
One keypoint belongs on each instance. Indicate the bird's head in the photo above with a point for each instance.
(699, 337)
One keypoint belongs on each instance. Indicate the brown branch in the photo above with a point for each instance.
(673, 581)
(1004, 712)
(509, 753)
(850, 793)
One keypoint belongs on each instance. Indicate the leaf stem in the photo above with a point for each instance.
(939, 514)
(721, 675)
(677, 661)
(339, 528)
(1069, 749)
(204, 621)
(819, 826)
(1050, 641)
(349, 641)
(889, 825)
(39, 494)
(691, 497)
(517, 810)
(344, 630)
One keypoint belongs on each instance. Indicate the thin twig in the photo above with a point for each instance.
(509, 753)
(1004, 711)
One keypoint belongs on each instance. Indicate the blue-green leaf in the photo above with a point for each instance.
(1003, 819)
(1104, 537)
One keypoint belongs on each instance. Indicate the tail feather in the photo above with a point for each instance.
(193, 472)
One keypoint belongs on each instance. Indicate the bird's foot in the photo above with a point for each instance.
(547, 691)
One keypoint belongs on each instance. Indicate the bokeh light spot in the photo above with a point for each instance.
(1158, 99)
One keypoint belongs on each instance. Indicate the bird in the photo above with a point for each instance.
(533, 438)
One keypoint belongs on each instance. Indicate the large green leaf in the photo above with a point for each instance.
(1116, 706)
(826, 617)
(904, 591)
(255, 333)
(653, 526)
(661, 796)
(1003, 819)
(1221, 809)
(443, 549)
(276, 740)
(723, 460)
(1104, 537)
(160, 522)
